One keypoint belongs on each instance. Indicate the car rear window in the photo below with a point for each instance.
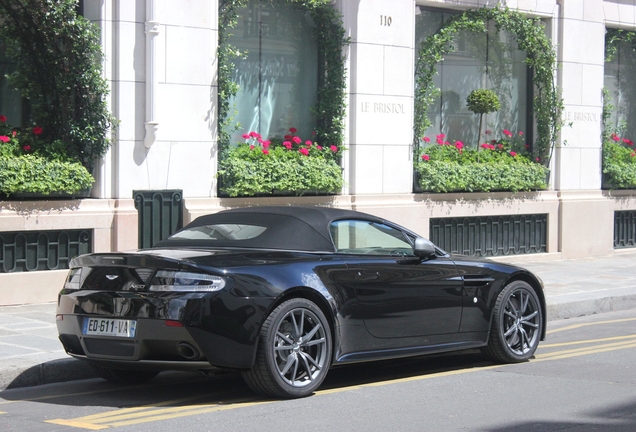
(220, 232)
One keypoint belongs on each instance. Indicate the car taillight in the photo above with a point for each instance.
(180, 281)
(74, 279)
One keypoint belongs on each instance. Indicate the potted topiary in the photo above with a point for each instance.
(482, 101)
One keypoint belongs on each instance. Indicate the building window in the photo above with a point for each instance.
(11, 104)
(480, 60)
(619, 82)
(278, 76)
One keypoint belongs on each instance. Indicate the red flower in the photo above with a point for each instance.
(251, 147)
(319, 147)
(333, 148)
(500, 146)
(426, 139)
(440, 136)
(266, 144)
(446, 143)
(304, 151)
(265, 151)
(37, 130)
(246, 136)
(459, 145)
(3, 119)
(537, 159)
(26, 148)
(287, 137)
(485, 145)
(628, 141)
(293, 130)
(491, 146)
(507, 133)
(513, 154)
(308, 143)
(527, 146)
(4, 138)
(297, 140)
(425, 157)
(615, 137)
(287, 145)
(520, 133)
(633, 154)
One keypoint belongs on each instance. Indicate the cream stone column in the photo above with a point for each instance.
(380, 100)
(586, 217)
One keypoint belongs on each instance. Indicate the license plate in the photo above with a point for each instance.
(109, 327)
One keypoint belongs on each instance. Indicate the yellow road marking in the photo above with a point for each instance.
(586, 350)
(542, 346)
(575, 326)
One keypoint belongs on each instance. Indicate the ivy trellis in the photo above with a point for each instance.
(330, 37)
(540, 57)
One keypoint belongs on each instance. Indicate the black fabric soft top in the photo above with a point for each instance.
(288, 227)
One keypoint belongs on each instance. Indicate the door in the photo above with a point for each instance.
(398, 295)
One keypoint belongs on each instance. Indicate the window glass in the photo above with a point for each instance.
(363, 237)
(619, 81)
(480, 60)
(278, 78)
(10, 99)
(220, 232)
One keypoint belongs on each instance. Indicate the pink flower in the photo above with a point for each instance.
(287, 145)
(37, 130)
(485, 145)
(520, 133)
(459, 145)
(297, 140)
(304, 151)
(251, 147)
(426, 139)
(253, 134)
(513, 154)
(287, 137)
(333, 148)
(537, 159)
(426, 157)
(4, 138)
(3, 119)
(440, 136)
(265, 151)
(507, 133)
(500, 146)
(491, 146)
(615, 137)
(293, 130)
(319, 147)
(308, 143)
(628, 141)
(633, 154)
(446, 143)
(26, 148)
(266, 144)
(246, 136)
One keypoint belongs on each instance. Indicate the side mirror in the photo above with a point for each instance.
(423, 248)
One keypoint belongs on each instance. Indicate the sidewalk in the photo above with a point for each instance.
(30, 353)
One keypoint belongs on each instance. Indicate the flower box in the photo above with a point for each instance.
(260, 167)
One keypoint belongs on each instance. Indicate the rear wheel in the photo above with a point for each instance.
(123, 376)
(516, 325)
(294, 351)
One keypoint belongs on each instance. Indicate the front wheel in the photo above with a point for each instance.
(517, 324)
(294, 351)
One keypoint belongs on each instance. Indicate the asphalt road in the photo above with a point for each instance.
(583, 378)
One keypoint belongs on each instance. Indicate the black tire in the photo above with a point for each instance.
(121, 376)
(517, 324)
(294, 351)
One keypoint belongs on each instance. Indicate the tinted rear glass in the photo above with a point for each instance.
(220, 232)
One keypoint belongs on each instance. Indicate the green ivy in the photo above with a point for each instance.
(330, 37)
(30, 173)
(540, 57)
(58, 69)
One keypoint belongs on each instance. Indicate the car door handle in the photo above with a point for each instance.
(367, 276)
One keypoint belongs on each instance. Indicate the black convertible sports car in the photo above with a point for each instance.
(284, 293)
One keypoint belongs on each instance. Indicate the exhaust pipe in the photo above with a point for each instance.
(188, 351)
